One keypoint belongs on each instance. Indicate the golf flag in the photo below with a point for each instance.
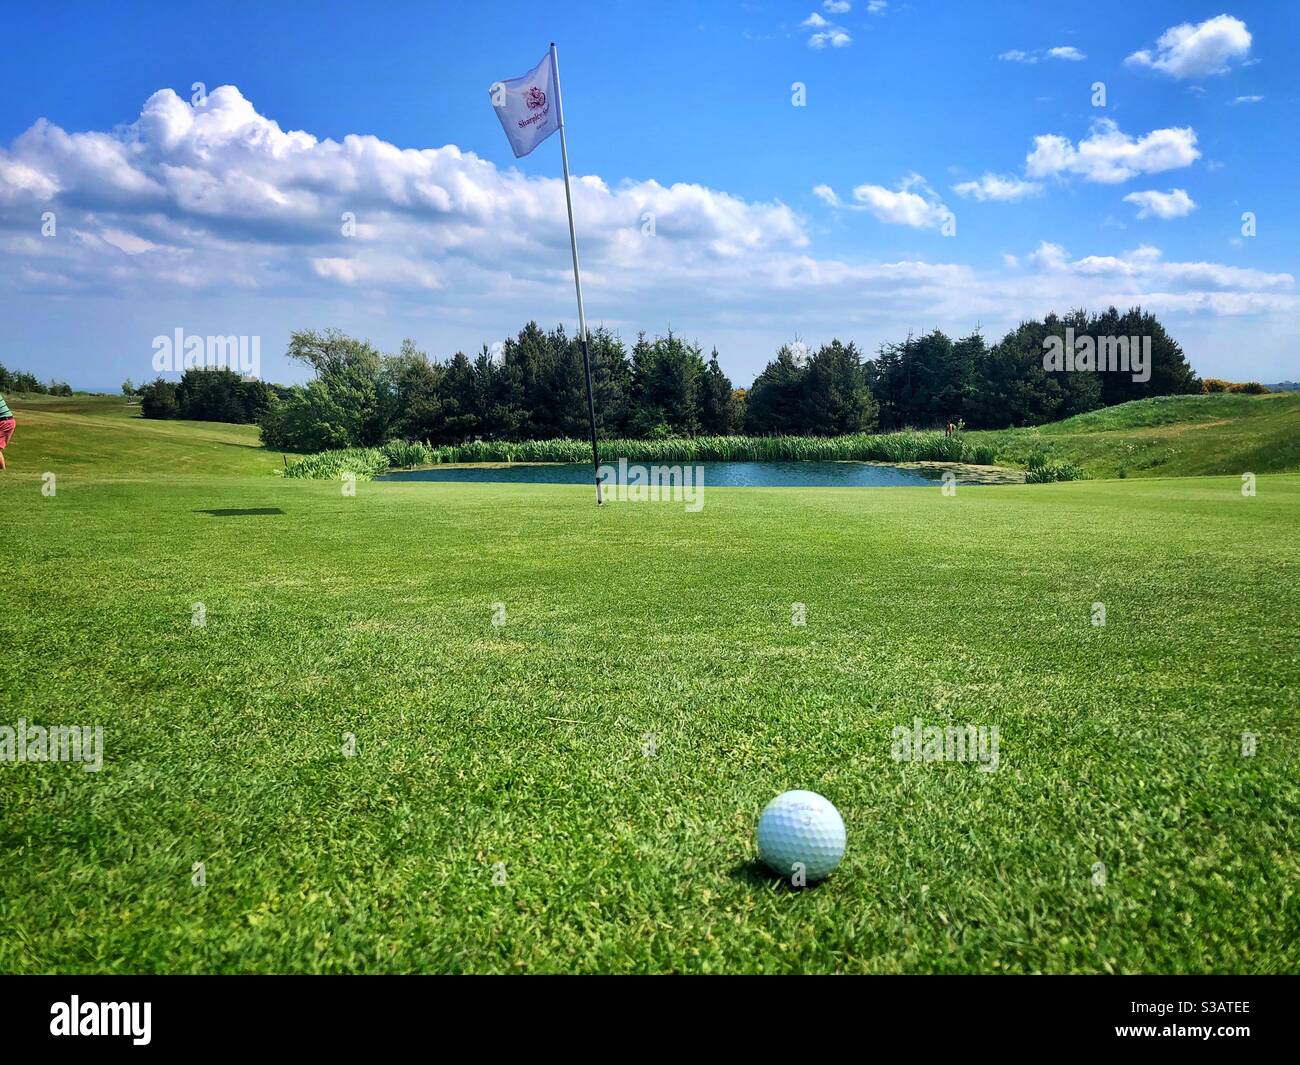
(530, 110)
(528, 106)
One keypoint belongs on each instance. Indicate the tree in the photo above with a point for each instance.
(417, 389)
(210, 396)
(1010, 386)
(835, 398)
(773, 400)
(666, 378)
(718, 413)
(1171, 374)
(355, 389)
(158, 400)
(611, 381)
(460, 403)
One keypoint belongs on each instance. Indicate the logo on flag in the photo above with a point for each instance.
(525, 107)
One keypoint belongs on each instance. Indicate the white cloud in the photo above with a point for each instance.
(837, 7)
(828, 33)
(1019, 55)
(999, 187)
(1245, 100)
(220, 184)
(901, 206)
(218, 207)
(1172, 204)
(836, 38)
(1049, 256)
(1203, 50)
(1110, 156)
(877, 7)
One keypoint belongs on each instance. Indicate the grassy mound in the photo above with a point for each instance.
(1166, 437)
(84, 434)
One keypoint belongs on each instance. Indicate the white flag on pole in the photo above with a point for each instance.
(527, 107)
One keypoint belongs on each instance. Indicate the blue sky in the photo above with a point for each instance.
(948, 169)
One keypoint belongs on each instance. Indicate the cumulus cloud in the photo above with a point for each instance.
(1109, 156)
(1066, 52)
(1172, 204)
(837, 7)
(998, 187)
(1245, 100)
(1203, 50)
(1049, 256)
(920, 209)
(827, 32)
(217, 205)
(197, 181)
(877, 7)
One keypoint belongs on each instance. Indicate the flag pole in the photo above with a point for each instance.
(577, 277)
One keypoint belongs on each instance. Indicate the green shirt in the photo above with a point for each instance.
(5, 412)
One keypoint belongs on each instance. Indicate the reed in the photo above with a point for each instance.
(907, 446)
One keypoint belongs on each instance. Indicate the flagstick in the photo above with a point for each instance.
(577, 278)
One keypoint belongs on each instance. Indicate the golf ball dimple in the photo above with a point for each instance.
(801, 828)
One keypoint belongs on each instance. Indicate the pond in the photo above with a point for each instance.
(716, 474)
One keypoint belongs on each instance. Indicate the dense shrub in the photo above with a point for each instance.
(1047, 471)
(1217, 384)
(158, 400)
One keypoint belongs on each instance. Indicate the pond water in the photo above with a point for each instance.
(716, 474)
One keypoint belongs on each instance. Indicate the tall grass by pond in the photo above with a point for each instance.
(908, 446)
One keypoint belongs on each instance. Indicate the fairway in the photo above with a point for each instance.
(575, 789)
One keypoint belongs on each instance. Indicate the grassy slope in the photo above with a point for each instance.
(524, 744)
(1167, 437)
(104, 435)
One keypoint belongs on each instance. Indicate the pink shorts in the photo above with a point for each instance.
(6, 431)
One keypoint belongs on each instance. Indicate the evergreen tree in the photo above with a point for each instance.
(773, 400)
(835, 398)
(717, 408)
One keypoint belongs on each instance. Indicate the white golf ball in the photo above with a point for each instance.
(801, 828)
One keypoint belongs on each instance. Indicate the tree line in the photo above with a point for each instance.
(533, 387)
(22, 381)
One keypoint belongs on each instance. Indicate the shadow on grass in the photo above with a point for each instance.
(757, 875)
(238, 512)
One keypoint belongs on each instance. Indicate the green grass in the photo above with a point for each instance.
(106, 435)
(1171, 436)
(524, 744)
